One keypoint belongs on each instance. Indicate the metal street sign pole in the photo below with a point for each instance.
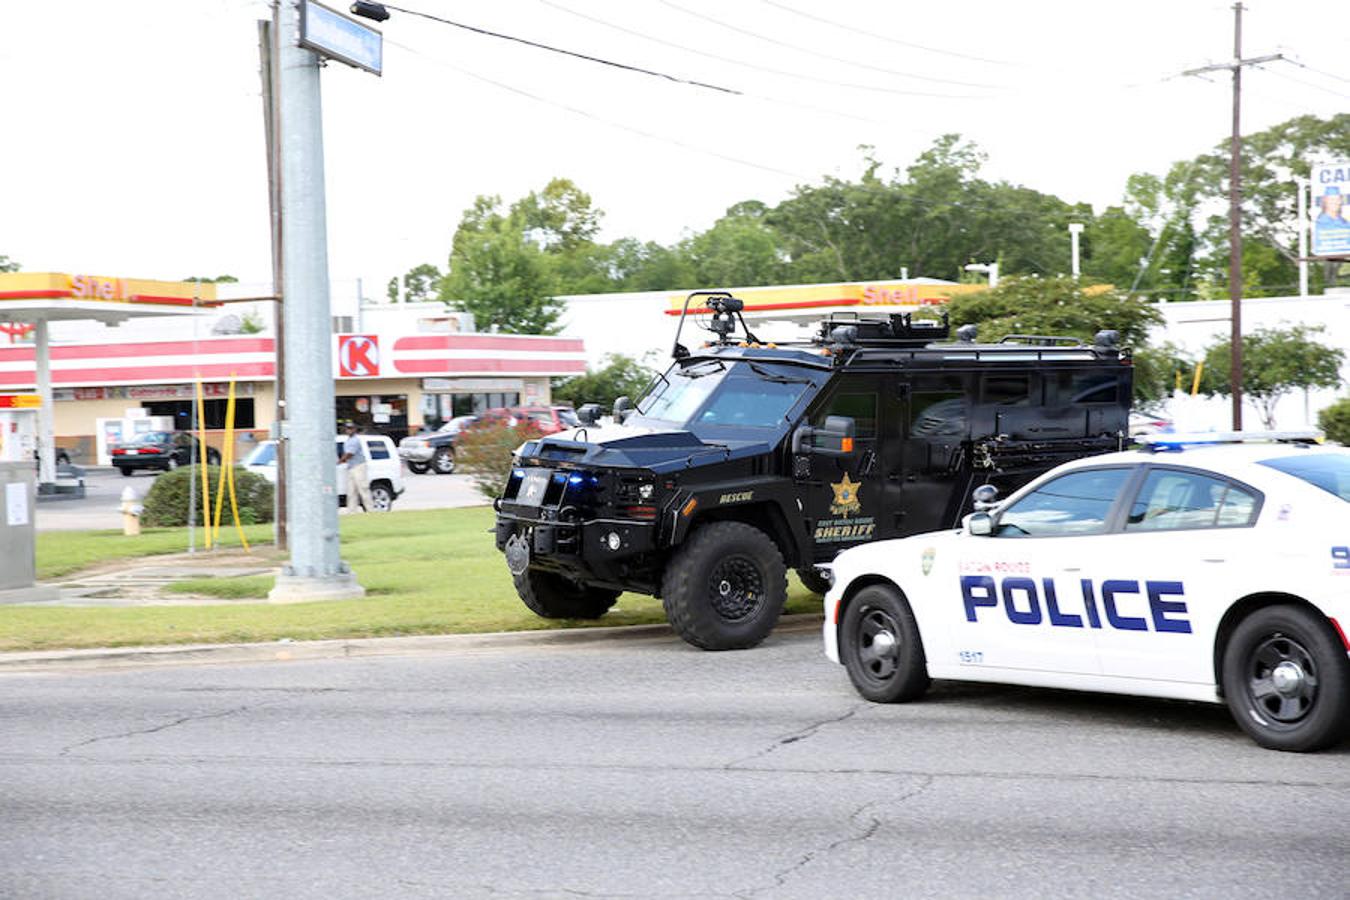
(315, 570)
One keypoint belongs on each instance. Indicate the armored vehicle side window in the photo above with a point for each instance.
(1069, 388)
(1006, 390)
(861, 408)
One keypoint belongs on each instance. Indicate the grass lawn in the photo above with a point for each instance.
(425, 572)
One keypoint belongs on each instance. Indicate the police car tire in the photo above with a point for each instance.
(1306, 638)
(444, 461)
(686, 591)
(900, 676)
(554, 597)
(813, 581)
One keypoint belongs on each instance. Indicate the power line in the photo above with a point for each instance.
(760, 68)
(812, 52)
(889, 40)
(1316, 87)
(588, 115)
(1303, 65)
(572, 53)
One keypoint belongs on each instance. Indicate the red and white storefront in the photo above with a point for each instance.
(392, 383)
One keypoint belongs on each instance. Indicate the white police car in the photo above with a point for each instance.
(1217, 572)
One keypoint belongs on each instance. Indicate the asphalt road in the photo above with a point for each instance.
(101, 505)
(639, 767)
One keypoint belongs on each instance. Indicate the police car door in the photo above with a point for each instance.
(1168, 586)
(842, 496)
(1025, 591)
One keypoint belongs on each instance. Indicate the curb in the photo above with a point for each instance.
(345, 648)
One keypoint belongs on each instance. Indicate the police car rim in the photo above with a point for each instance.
(878, 643)
(1282, 679)
(736, 587)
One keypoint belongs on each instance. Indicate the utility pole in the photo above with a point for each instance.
(1235, 204)
(1075, 229)
(267, 46)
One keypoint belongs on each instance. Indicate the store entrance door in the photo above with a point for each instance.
(385, 414)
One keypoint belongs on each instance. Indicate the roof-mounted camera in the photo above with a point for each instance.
(725, 312)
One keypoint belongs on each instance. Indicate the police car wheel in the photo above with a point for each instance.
(418, 468)
(725, 588)
(1287, 680)
(444, 461)
(554, 597)
(880, 647)
(813, 581)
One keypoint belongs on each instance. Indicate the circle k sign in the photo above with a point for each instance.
(358, 356)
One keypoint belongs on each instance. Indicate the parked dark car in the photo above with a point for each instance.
(160, 450)
(434, 451)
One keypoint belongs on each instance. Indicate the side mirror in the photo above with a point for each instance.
(589, 414)
(834, 438)
(984, 497)
(980, 524)
(623, 407)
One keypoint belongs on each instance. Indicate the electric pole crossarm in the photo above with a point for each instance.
(1229, 66)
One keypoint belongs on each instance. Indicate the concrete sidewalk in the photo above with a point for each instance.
(287, 650)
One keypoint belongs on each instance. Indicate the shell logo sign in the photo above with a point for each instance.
(358, 356)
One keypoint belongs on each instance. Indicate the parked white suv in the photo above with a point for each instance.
(382, 466)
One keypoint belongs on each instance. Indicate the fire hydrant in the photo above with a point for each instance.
(131, 512)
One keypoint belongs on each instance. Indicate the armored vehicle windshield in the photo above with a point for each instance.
(707, 394)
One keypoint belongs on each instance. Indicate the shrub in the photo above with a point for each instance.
(167, 503)
(484, 452)
(1335, 421)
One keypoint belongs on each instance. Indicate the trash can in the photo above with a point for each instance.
(18, 530)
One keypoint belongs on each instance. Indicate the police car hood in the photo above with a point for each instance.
(640, 446)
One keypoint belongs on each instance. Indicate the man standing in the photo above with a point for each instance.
(354, 456)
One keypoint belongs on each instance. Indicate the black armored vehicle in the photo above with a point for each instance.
(748, 458)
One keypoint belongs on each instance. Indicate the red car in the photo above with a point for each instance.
(548, 419)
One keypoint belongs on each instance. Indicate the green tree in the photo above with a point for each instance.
(7, 264)
(620, 376)
(1275, 362)
(219, 279)
(1062, 306)
(1335, 421)
(740, 249)
(636, 266)
(420, 284)
(498, 275)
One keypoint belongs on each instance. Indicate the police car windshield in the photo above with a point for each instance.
(1330, 471)
(711, 394)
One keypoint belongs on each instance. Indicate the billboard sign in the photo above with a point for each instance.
(1331, 209)
(329, 33)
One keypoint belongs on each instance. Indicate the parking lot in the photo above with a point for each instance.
(101, 505)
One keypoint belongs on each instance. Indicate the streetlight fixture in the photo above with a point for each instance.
(1075, 229)
(990, 269)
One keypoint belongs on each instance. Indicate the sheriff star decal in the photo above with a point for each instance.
(846, 502)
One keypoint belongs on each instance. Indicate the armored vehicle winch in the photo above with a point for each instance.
(747, 458)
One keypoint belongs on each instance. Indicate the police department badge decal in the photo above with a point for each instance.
(928, 554)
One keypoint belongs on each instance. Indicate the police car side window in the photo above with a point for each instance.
(1172, 499)
(1078, 503)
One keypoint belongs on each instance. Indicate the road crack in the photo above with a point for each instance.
(867, 826)
(157, 728)
(793, 737)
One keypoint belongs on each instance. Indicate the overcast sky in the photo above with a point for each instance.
(132, 142)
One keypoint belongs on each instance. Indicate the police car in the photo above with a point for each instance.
(1212, 568)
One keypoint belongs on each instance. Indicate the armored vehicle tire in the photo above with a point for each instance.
(1287, 680)
(725, 588)
(880, 646)
(418, 468)
(444, 461)
(813, 581)
(554, 597)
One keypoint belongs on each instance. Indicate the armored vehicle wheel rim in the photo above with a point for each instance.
(1282, 679)
(879, 644)
(736, 587)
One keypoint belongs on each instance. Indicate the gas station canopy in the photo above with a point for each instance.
(31, 297)
(35, 299)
